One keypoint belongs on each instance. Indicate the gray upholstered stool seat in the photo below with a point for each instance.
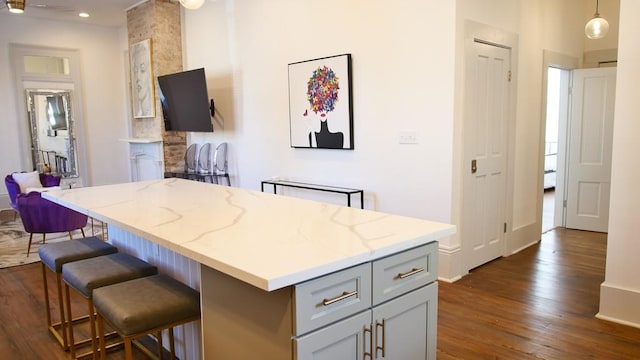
(144, 306)
(54, 256)
(57, 254)
(89, 274)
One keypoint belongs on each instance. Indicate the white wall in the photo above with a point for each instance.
(403, 68)
(103, 84)
(620, 292)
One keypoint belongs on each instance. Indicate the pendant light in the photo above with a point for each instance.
(15, 6)
(597, 27)
(191, 4)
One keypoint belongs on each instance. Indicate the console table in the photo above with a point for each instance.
(326, 188)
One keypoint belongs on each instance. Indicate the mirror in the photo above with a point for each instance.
(52, 132)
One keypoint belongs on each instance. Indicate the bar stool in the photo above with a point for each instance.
(144, 306)
(85, 276)
(54, 256)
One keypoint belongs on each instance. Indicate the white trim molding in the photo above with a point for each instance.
(619, 304)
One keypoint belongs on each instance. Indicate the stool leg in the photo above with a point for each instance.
(82, 231)
(46, 294)
(63, 325)
(128, 354)
(172, 344)
(103, 347)
(72, 346)
(92, 323)
(159, 342)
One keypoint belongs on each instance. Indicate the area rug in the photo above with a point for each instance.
(14, 240)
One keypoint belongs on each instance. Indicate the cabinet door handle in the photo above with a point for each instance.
(344, 295)
(381, 348)
(365, 353)
(410, 272)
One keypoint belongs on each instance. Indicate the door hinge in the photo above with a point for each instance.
(564, 203)
(505, 228)
(509, 76)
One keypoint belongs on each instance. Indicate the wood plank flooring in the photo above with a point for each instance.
(537, 304)
(23, 331)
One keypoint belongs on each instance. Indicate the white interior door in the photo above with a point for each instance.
(485, 138)
(590, 140)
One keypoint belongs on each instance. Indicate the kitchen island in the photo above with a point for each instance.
(252, 256)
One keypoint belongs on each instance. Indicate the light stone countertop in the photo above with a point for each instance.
(269, 241)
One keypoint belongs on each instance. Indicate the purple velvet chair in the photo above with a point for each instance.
(13, 188)
(41, 216)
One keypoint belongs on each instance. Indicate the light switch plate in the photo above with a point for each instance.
(407, 137)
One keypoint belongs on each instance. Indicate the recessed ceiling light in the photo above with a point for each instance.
(83, 15)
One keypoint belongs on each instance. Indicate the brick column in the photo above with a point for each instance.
(159, 20)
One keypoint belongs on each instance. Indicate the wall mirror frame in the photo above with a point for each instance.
(41, 72)
(52, 127)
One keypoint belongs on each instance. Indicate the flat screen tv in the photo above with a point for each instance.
(185, 104)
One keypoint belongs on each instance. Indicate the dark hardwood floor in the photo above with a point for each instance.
(537, 304)
(23, 331)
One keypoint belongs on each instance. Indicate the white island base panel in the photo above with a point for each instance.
(188, 336)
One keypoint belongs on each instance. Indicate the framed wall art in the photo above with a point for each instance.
(320, 110)
(142, 89)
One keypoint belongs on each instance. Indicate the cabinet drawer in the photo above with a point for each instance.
(330, 298)
(342, 340)
(403, 272)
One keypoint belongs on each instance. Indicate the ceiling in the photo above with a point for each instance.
(102, 12)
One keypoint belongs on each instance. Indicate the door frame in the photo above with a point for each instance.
(564, 62)
(72, 81)
(477, 32)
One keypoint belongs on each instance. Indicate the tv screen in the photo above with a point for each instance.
(185, 104)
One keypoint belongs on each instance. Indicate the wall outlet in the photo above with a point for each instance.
(407, 137)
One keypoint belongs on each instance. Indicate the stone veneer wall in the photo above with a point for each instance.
(159, 20)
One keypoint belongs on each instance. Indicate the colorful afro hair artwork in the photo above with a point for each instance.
(322, 90)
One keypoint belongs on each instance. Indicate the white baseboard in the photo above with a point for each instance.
(619, 305)
(450, 264)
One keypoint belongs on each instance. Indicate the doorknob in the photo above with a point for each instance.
(474, 166)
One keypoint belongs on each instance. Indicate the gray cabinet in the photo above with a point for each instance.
(385, 309)
(400, 320)
(405, 328)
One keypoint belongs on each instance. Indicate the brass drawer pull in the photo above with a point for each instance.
(345, 295)
(382, 326)
(367, 354)
(410, 273)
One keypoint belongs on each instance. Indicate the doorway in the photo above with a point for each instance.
(556, 114)
(576, 147)
(557, 73)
